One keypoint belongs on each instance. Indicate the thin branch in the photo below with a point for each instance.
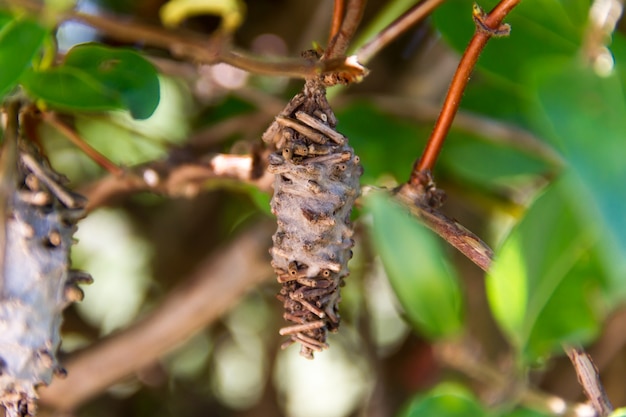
(178, 176)
(487, 26)
(416, 13)
(457, 356)
(74, 137)
(339, 10)
(226, 275)
(197, 48)
(338, 45)
(450, 230)
(589, 379)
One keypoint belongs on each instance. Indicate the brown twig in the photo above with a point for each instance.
(395, 29)
(338, 45)
(487, 26)
(51, 119)
(339, 10)
(451, 231)
(197, 48)
(173, 177)
(457, 356)
(589, 379)
(227, 275)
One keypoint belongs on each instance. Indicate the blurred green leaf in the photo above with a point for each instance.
(69, 88)
(422, 278)
(620, 412)
(545, 285)
(487, 163)
(525, 412)
(385, 144)
(446, 400)
(539, 28)
(120, 70)
(231, 11)
(97, 78)
(583, 114)
(20, 41)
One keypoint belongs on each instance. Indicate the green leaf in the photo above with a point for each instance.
(231, 11)
(418, 270)
(583, 113)
(539, 28)
(620, 412)
(486, 163)
(20, 41)
(525, 412)
(97, 78)
(68, 88)
(446, 400)
(386, 144)
(545, 285)
(120, 70)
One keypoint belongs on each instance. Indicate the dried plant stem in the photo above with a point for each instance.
(451, 231)
(589, 379)
(396, 28)
(486, 27)
(338, 45)
(180, 315)
(80, 143)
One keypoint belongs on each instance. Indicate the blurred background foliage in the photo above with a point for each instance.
(533, 165)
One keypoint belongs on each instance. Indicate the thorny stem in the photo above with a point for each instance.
(486, 26)
(80, 143)
(395, 29)
(338, 45)
(589, 379)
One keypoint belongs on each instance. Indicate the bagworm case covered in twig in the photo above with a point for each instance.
(40, 219)
(316, 184)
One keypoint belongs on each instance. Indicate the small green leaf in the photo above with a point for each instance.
(69, 88)
(416, 264)
(446, 400)
(20, 41)
(122, 71)
(545, 285)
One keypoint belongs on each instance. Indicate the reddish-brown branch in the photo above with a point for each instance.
(75, 138)
(487, 26)
(338, 12)
(395, 29)
(338, 45)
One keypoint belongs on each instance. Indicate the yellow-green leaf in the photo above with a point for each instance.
(231, 11)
